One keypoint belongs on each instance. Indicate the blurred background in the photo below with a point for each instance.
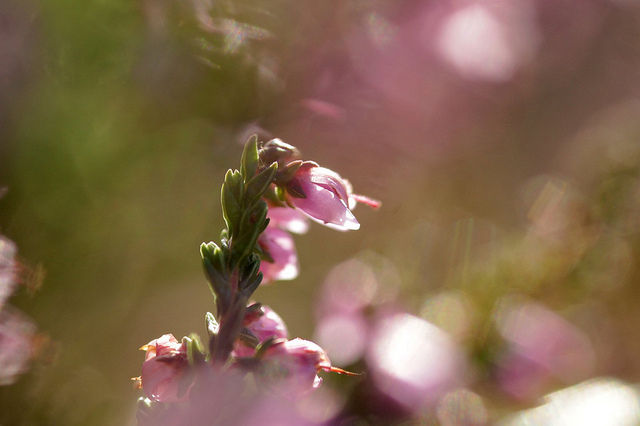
(501, 136)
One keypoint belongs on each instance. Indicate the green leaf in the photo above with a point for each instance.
(262, 347)
(259, 183)
(265, 224)
(231, 207)
(249, 338)
(248, 272)
(216, 277)
(255, 309)
(195, 349)
(250, 158)
(252, 223)
(272, 195)
(215, 255)
(264, 254)
(212, 324)
(237, 182)
(289, 171)
(280, 194)
(251, 286)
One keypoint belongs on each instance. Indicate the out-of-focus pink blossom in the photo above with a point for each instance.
(7, 269)
(541, 344)
(344, 336)
(521, 377)
(322, 195)
(480, 45)
(350, 287)
(263, 324)
(297, 362)
(324, 108)
(600, 401)
(224, 399)
(16, 344)
(288, 219)
(279, 245)
(413, 361)
(164, 369)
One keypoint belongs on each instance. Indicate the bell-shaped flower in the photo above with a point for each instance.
(263, 323)
(296, 363)
(322, 195)
(281, 261)
(164, 370)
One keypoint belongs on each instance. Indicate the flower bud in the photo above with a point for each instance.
(297, 362)
(164, 369)
(278, 151)
(282, 261)
(264, 324)
(322, 195)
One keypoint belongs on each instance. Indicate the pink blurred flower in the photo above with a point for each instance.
(223, 398)
(344, 335)
(7, 269)
(164, 368)
(489, 42)
(264, 324)
(322, 195)
(542, 345)
(413, 361)
(521, 377)
(288, 219)
(17, 334)
(324, 108)
(349, 288)
(279, 245)
(297, 362)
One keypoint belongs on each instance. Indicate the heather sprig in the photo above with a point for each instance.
(243, 336)
(232, 267)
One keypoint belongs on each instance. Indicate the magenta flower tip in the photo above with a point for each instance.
(326, 197)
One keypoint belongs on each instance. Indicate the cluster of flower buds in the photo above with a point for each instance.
(267, 199)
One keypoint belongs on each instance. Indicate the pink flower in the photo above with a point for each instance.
(322, 195)
(164, 369)
(278, 245)
(541, 345)
(17, 336)
(296, 361)
(412, 361)
(288, 219)
(8, 269)
(264, 324)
